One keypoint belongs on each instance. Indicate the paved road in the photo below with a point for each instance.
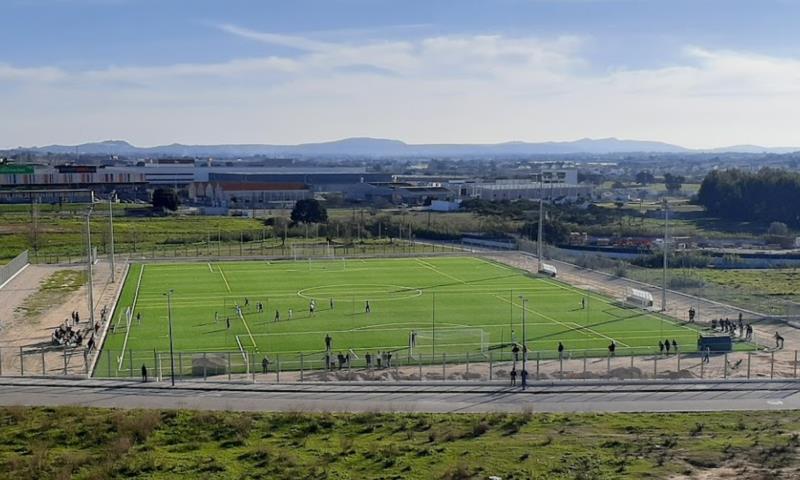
(439, 397)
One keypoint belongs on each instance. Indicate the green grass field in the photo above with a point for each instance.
(462, 304)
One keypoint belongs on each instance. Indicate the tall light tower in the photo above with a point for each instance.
(541, 223)
(111, 229)
(89, 263)
(666, 250)
(171, 343)
(524, 344)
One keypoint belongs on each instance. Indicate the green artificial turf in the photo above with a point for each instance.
(456, 305)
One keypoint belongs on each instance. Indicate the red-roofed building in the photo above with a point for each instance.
(248, 195)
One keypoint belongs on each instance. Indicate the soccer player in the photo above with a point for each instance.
(660, 347)
(228, 322)
(138, 318)
(216, 317)
(277, 315)
(368, 358)
(675, 345)
(246, 301)
(513, 376)
(666, 346)
(413, 338)
(291, 314)
(612, 347)
(331, 303)
(560, 350)
(778, 340)
(583, 303)
(311, 308)
(328, 341)
(367, 308)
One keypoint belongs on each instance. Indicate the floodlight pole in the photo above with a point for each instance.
(171, 343)
(666, 247)
(111, 228)
(89, 264)
(433, 330)
(524, 344)
(541, 221)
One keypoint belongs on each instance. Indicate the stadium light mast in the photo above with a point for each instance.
(541, 221)
(89, 264)
(111, 228)
(171, 343)
(524, 344)
(666, 247)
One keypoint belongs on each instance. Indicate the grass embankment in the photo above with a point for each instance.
(79, 443)
(769, 291)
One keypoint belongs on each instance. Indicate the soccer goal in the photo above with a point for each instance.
(302, 251)
(448, 340)
(636, 298)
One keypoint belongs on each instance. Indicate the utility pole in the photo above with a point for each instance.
(524, 344)
(666, 247)
(89, 265)
(541, 229)
(171, 343)
(111, 227)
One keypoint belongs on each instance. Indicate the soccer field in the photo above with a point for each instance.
(454, 305)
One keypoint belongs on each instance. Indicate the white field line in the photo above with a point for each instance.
(130, 322)
(209, 267)
(241, 349)
(581, 330)
(253, 340)
(219, 267)
(608, 302)
(432, 267)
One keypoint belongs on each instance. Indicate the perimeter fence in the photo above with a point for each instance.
(13, 267)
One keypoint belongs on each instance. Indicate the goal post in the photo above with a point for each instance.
(308, 251)
(452, 340)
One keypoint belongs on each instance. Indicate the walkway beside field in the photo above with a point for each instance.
(677, 304)
(403, 397)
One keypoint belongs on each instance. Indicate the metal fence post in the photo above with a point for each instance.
(444, 362)
(301, 366)
(156, 370)
(44, 370)
(65, 360)
(1, 362)
(490, 365)
(130, 361)
(205, 370)
(772, 365)
(467, 364)
(180, 365)
(725, 366)
(679, 361)
(21, 363)
(419, 366)
(608, 365)
(229, 366)
(253, 366)
(795, 364)
(702, 365)
(278, 373)
(560, 367)
(655, 366)
(749, 355)
(537, 365)
(108, 363)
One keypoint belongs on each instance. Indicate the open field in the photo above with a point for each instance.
(456, 305)
(769, 291)
(90, 443)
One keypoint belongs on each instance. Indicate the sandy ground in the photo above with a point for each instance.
(34, 334)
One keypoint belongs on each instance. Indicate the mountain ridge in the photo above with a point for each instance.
(384, 147)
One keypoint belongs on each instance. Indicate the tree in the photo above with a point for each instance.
(165, 199)
(309, 210)
(778, 229)
(645, 178)
(673, 182)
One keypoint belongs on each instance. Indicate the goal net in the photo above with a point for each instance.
(302, 251)
(448, 340)
(636, 298)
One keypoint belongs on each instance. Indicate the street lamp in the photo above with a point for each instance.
(524, 344)
(90, 258)
(171, 346)
(111, 229)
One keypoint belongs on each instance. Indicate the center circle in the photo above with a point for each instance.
(381, 292)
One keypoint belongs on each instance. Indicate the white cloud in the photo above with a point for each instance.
(445, 88)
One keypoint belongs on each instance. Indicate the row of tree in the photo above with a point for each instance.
(766, 195)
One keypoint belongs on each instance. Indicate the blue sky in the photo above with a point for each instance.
(701, 73)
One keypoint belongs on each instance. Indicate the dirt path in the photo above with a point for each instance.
(17, 330)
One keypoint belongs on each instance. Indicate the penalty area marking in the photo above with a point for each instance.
(219, 267)
(411, 291)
